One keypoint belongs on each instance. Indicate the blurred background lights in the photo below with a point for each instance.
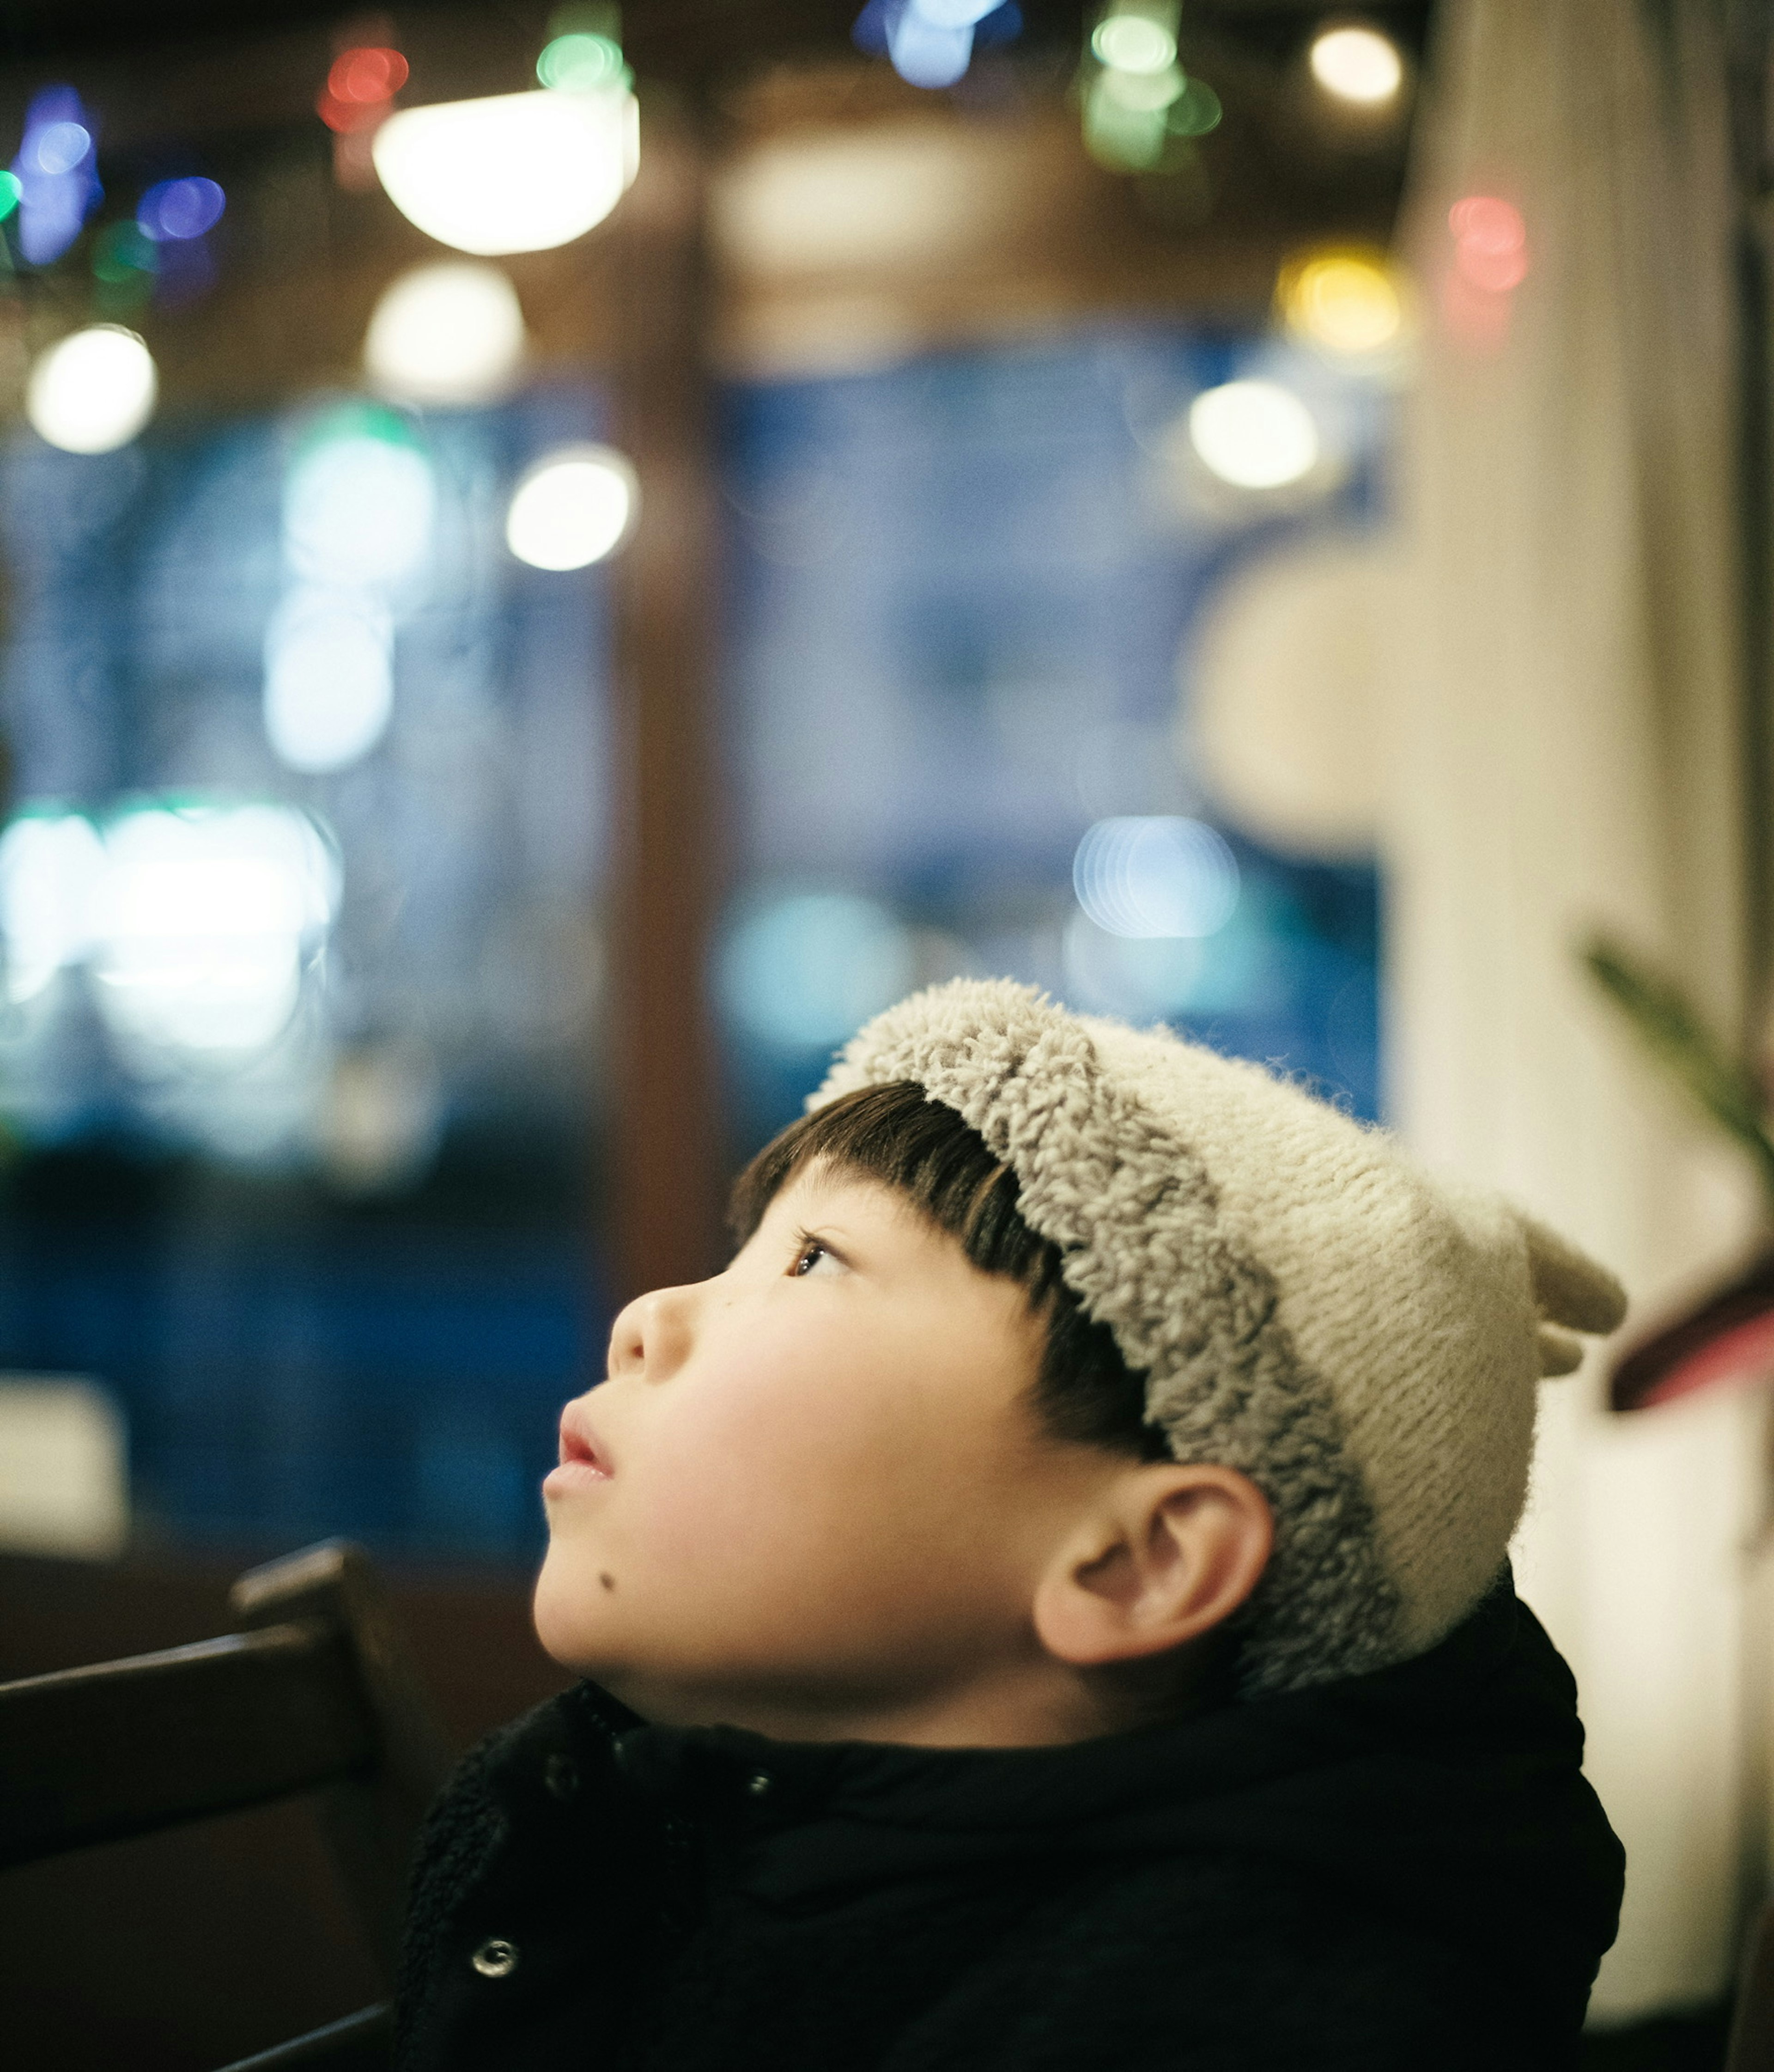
(358, 507)
(804, 972)
(60, 146)
(123, 257)
(57, 172)
(50, 863)
(360, 86)
(329, 679)
(203, 920)
(931, 43)
(11, 187)
(1490, 242)
(1136, 39)
(581, 62)
(574, 507)
(1357, 63)
(1155, 875)
(1254, 434)
(450, 331)
(1140, 99)
(91, 391)
(179, 209)
(1139, 978)
(1344, 301)
(925, 51)
(514, 172)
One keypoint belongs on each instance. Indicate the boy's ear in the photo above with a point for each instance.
(1168, 1553)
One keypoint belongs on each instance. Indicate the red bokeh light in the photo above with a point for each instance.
(366, 76)
(1490, 259)
(1486, 224)
(1497, 271)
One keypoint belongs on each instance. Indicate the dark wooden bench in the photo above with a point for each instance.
(313, 1694)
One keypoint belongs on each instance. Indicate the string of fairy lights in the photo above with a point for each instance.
(492, 176)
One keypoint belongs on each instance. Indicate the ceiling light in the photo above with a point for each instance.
(514, 172)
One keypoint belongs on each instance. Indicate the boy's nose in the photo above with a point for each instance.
(651, 1337)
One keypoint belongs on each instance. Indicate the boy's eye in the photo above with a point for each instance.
(811, 1256)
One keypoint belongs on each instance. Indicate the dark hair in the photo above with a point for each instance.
(1085, 1391)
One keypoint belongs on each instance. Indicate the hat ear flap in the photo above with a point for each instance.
(1561, 1352)
(1571, 1290)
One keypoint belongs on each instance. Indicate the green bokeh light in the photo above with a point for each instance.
(12, 187)
(581, 63)
(1134, 42)
(121, 253)
(1195, 111)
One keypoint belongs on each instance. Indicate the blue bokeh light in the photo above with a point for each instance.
(931, 42)
(179, 209)
(57, 171)
(1141, 875)
(805, 970)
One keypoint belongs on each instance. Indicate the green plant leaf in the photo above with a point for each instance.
(1673, 1030)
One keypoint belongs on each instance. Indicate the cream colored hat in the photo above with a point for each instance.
(1363, 1342)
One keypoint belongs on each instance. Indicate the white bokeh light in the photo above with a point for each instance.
(50, 863)
(1154, 875)
(451, 331)
(574, 507)
(514, 172)
(202, 922)
(1357, 64)
(1254, 434)
(358, 510)
(92, 391)
(328, 678)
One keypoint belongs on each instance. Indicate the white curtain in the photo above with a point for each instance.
(1566, 753)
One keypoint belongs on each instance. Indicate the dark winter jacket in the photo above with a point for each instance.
(1405, 1870)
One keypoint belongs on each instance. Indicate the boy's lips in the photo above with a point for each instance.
(583, 1460)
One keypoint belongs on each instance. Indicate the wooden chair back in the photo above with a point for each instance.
(312, 1694)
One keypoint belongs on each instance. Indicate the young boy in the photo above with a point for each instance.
(1048, 1605)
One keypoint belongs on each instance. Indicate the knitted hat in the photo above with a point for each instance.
(1364, 1343)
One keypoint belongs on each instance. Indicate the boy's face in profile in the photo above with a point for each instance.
(813, 1485)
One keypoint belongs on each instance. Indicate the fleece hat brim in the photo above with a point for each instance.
(1307, 1307)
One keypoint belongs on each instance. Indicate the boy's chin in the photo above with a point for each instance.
(566, 1615)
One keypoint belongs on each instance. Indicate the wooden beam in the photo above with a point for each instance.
(666, 1183)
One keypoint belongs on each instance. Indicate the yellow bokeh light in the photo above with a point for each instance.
(1344, 301)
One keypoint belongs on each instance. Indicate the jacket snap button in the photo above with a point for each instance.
(758, 1783)
(495, 1959)
(561, 1774)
